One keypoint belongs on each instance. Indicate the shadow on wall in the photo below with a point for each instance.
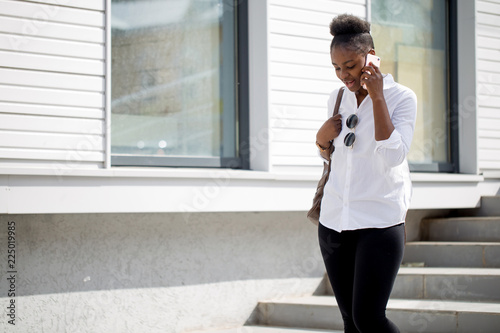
(88, 252)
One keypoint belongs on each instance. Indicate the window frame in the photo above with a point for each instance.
(453, 100)
(242, 161)
(452, 110)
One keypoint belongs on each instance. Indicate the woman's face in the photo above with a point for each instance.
(348, 65)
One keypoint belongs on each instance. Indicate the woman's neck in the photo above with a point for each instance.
(360, 95)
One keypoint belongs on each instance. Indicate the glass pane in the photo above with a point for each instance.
(411, 39)
(167, 93)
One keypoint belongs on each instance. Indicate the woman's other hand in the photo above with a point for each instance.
(329, 131)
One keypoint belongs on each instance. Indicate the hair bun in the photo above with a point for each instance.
(346, 24)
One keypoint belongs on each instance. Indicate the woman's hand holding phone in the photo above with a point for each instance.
(372, 77)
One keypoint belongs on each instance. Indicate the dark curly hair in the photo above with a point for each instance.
(352, 32)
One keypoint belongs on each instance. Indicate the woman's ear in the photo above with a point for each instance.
(372, 51)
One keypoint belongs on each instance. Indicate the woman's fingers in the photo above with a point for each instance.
(371, 68)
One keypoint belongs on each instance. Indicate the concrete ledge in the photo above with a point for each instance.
(169, 172)
(153, 190)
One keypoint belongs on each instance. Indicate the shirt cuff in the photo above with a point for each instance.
(324, 159)
(393, 142)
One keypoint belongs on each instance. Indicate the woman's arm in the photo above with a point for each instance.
(396, 147)
(393, 136)
(374, 81)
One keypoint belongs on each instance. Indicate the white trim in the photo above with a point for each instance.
(369, 10)
(134, 190)
(50, 194)
(444, 178)
(47, 195)
(204, 173)
(107, 93)
(258, 49)
(467, 95)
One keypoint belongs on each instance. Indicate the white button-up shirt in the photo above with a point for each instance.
(369, 185)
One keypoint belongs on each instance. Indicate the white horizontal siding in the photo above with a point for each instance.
(71, 155)
(301, 71)
(486, 133)
(299, 113)
(41, 62)
(318, 59)
(85, 4)
(299, 99)
(38, 13)
(25, 123)
(10, 93)
(72, 161)
(488, 84)
(356, 7)
(27, 140)
(291, 135)
(301, 77)
(49, 46)
(52, 110)
(52, 67)
(15, 26)
(301, 85)
(297, 43)
(64, 81)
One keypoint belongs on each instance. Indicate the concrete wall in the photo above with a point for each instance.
(153, 272)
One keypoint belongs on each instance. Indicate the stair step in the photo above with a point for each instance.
(321, 312)
(454, 254)
(462, 229)
(464, 284)
(268, 329)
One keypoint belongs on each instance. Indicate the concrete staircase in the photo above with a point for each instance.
(449, 282)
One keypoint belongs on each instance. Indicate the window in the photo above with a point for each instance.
(174, 79)
(412, 39)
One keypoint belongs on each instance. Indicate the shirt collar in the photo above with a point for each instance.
(388, 81)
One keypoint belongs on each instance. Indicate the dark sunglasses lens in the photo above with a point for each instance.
(349, 139)
(352, 121)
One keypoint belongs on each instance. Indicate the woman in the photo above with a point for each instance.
(361, 231)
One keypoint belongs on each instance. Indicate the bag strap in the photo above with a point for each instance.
(336, 111)
(339, 99)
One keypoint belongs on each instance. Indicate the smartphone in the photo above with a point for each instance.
(374, 60)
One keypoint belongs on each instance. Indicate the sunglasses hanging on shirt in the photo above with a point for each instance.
(351, 123)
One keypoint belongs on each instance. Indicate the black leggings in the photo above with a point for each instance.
(362, 266)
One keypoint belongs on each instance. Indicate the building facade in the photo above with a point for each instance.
(158, 157)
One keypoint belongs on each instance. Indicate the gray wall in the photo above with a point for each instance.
(154, 272)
